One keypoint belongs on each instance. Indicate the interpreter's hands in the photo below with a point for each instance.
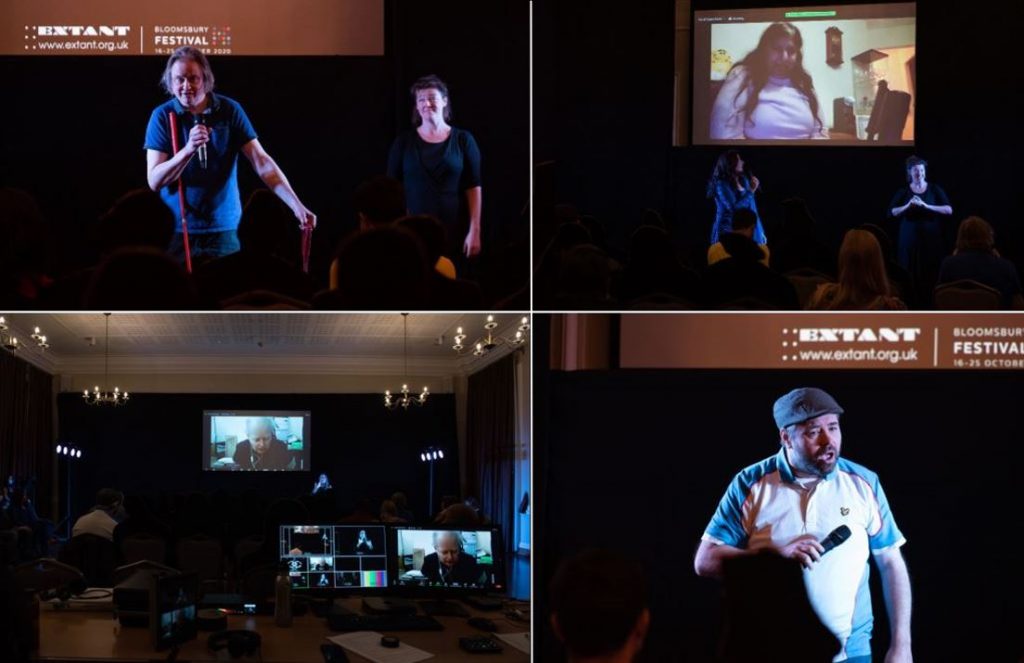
(805, 549)
(471, 247)
(899, 654)
(754, 183)
(197, 136)
(306, 218)
(916, 201)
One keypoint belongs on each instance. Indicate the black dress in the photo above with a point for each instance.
(436, 177)
(920, 248)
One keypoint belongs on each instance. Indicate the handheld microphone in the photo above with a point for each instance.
(836, 537)
(201, 119)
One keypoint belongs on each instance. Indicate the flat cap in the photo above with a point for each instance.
(802, 404)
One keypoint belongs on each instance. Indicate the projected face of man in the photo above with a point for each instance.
(813, 446)
(188, 84)
(261, 435)
(782, 56)
(447, 549)
(430, 104)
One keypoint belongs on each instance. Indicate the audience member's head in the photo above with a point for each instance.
(743, 222)
(585, 273)
(138, 218)
(379, 201)
(400, 500)
(652, 217)
(140, 279)
(863, 283)
(458, 515)
(24, 250)
(265, 225)
(975, 234)
(381, 269)
(599, 606)
(389, 512)
(430, 233)
(752, 633)
(884, 241)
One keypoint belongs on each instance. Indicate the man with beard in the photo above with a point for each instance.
(791, 501)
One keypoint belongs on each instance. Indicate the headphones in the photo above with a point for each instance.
(238, 643)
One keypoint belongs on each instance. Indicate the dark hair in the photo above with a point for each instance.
(429, 231)
(380, 199)
(755, 69)
(975, 234)
(912, 161)
(187, 53)
(597, 598)
(138, 218)
(724, 170)
(429, 82)
(743, 219)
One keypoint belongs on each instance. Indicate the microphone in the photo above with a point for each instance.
(201, 119)
(836, 537)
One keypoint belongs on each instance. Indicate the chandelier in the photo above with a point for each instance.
(9, 341)
(404, 398)
(487, 343)
(96, 396)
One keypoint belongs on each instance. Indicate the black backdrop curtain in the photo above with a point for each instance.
(490, 446)
(26, 426)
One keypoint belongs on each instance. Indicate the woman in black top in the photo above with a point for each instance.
(920, 207)
(440, 167)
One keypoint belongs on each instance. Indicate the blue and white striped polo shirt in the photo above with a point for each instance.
(765, 505)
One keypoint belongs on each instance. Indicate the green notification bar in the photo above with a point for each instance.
(817, 14)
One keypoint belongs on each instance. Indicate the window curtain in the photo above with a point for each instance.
(26, 427)
(490, 447)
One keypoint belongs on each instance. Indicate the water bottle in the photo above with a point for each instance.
(283, 597)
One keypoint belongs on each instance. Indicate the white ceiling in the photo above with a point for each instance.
(257, 342)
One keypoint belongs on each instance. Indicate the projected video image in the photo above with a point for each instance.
(271, 441)
(445, 558)
(843, 74)
(335, 556)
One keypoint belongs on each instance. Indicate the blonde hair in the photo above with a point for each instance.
(863, 283)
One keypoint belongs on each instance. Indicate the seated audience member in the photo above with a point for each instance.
(380, 269)
(362, 512)
(751, 632)
(140, 279)
(863, 284)
(23, 514)
(743, 223)
(265, 235)
(976, 258)
(599, 607)
(584, 280)
(458, 515)
(104, 517)
(549, 265)
(654, 268)
(379, 201)
(24, 251)
(449, 564)
(389, 513)
(900, 279)
(139, 218)
(742, 280)
(797, 245)
(447, 293)
(474, 503)
(402, 505)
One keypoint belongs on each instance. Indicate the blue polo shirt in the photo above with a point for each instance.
(212, 201)
(768, 505)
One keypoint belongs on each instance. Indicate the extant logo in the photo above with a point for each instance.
(859, 335)
(83, 30)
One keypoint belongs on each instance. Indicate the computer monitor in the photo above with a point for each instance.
(439, 562)
(172, 611)
(329, 558)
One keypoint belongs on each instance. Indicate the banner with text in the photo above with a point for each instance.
(826, 341)
(225, 27)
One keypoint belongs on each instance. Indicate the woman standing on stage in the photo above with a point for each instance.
(920, 206)
(440, 167)
(732, 188)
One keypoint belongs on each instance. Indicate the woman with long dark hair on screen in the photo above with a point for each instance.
(439, 165)
(768, 95)
(732, 188)
(920, 207)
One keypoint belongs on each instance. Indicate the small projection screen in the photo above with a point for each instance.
(839, 75)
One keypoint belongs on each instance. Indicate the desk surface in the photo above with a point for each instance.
(95, 635)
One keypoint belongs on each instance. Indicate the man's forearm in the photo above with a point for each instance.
(896, 589)
(168, 171)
